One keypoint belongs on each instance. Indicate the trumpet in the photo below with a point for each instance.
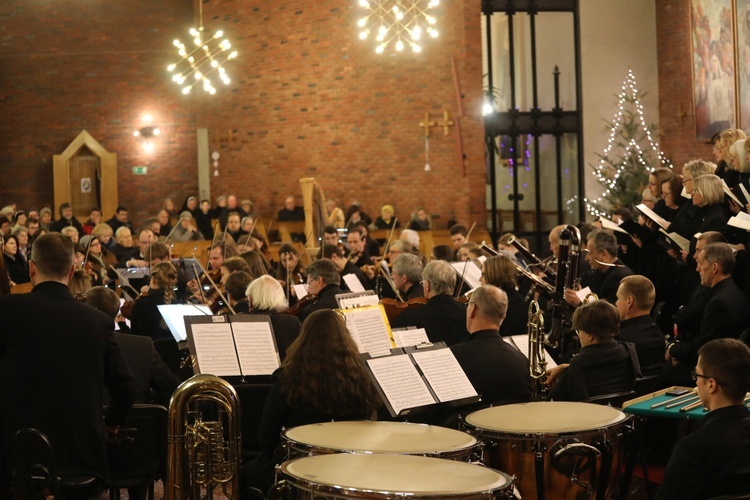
(537, 356)
(543, 264)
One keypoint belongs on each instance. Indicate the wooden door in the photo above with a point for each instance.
(84, 177)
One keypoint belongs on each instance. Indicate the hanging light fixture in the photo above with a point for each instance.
(404, 22)
(205, 57)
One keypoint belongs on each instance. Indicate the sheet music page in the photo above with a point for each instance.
(613, 226)
(369, 330)
(214, 347)
(353, 283)
(410, 337)
(685, 194)
(255, 347)
(739, 222)
(361, 301)
(300, 290)
(400, 382)
(473, 274)
(444, 374)
(581, 294)
(744, 192)
(683, 243)
(521, 342)
(652, 215)
(729, 193)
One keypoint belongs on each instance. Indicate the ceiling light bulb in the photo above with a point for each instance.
(156, 131)
(399, 45)
(171, 67)
(186, 90)
(362, 22)
(136, 133)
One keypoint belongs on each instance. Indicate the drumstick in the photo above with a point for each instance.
(666, 402)
(692, 406)
(674, 405)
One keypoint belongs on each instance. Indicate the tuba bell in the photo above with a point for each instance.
(203, 453)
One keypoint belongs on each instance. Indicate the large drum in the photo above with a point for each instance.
(380, 437)
(566, 450)
(380, 476)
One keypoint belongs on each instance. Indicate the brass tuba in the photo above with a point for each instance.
(203, 454)
(537, 355)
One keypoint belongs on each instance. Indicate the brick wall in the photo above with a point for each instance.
(307, 98)
(678, 137)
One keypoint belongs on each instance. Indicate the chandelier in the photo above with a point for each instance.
(207, 57)
(402, 21)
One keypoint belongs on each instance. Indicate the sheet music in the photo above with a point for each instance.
(741, 220)
(444, 374)
(729, 193)
(400, 382)
(410, 337)
(353, 283)
(482, 259)
(521, 342)
(581, 294)
(369, 330)
(255, 347)
(744, 192)
(300, 290)
(612, 226)
(214, 348)
(683, 243)
(361, 301)
(652, 215)
(473, 274)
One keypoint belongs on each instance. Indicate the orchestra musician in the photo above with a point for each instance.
(443, 318)
(235, 286)
(344, 266)
(458, 233)
(323, 281)
(266, 297)
(407, 275)
(500, 271)
(356, 241)
(146, 319)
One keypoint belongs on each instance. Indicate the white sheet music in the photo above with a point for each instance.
(744, 192)
(353, 283)
(729, 193)
(444, 374)
(473, 274)
(410, 337)
(369, 330)
(361, 301)
(300, 290)
(652, 215)
(401, 383)
(255, 347)
(214, 348)
(522, 343)
(612, 226)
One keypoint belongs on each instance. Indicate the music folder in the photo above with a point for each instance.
(232, 346)
(370, 329)
(413, 379)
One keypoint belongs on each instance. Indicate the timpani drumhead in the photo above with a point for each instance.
(550, 417)
(406, 474)
(381, 437)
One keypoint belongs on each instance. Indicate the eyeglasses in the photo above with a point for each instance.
(697, 375)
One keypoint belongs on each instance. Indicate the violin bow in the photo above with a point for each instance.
(86, 258)
(249, 236)
(173, 229)
(200, 287)
(122, 281)
(463, 273)
(213, 283)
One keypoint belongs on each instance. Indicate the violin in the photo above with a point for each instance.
(297, 308)
(394, 307)
(126, 309)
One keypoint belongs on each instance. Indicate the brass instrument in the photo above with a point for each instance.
(567, 277)
(199, 457)
(543, 264)
(536, 281)
(537, 355)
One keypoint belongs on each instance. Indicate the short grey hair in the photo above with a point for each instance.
(491, 302)
(121, 230)
(719, 253)
(409, 265)
(710, 188)
(326, 269)
(400, 246)
(411, 237)
(603, 240)
(698, 167)
(69, 231)
(266, 293)
(441, 276)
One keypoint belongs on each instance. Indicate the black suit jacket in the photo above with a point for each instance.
(605, 284)
(326, 300)
(715, 459)
(56, 356)
(517, 317)
(648, 341)
(285, 329)
(442, 317)
(726, 314)
(497, 370)
(150, 372)
(146, 318)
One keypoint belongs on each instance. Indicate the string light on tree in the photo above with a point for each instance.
(625, 176)
(404, 22)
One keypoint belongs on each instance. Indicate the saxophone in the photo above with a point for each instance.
(199, 456)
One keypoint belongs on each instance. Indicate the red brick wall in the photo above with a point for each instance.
(677, 135)
(307, 98)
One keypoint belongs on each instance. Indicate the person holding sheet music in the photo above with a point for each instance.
(500, 271)
(443, 317)
(708, 196)
(146, 319)
(265, 296)
(321, 379)
(323, 281)
(498, 371)
(714, 461)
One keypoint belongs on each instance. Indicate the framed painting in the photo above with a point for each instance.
(713, 66)
(743, 58)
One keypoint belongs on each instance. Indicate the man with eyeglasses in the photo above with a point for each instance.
(323, 281)
(497, 370)
(714, 461)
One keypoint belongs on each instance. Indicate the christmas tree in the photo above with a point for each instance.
(630, 156)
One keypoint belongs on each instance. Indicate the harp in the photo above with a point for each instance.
(313, 200)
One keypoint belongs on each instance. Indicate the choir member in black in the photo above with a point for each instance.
(713, 461)
(323, 280)
(321, 379)
(501, 272)
(655, 181)
(604, 366)
(607, 269)
(635, 298)
(443, 317)
(686, 221)
(498, 371)
(146, 319)
(265, 296)
(708, 196)
(727, 312)
(724, 169)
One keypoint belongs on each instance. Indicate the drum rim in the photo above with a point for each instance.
(473, 447)
(283, 472)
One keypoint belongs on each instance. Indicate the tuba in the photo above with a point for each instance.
(567, 277)
(203, 453)
(537, 356)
